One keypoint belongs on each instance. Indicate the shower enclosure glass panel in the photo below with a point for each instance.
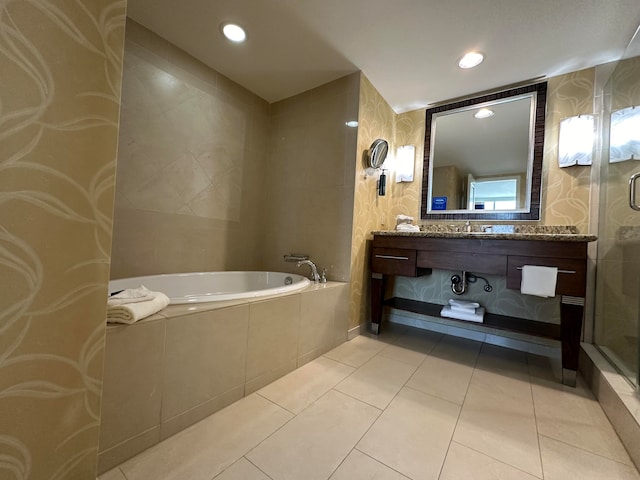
(617, 305)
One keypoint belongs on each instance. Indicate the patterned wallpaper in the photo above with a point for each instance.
(565, 191)
(370, 211)
(60, 93)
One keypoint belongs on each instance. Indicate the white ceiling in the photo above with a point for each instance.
(407, 48)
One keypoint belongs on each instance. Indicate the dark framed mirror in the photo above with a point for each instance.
(483, 157)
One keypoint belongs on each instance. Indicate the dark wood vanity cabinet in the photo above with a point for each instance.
(416, 255)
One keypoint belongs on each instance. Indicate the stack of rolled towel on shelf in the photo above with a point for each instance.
(133, 304)
(463, 310)
(404, 224)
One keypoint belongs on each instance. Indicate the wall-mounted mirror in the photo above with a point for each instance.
(483, 157)
(377, 153)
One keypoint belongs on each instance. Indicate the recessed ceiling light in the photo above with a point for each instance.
(352, 123)
(470, 60)
(484, 113)
(233, 32)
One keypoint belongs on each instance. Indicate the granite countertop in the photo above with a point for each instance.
(551, 233)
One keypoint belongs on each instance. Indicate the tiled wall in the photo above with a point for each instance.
(211, 177)
(618, 289)
(59, 96)
(191, 165)
(309, 180)
(166, 373)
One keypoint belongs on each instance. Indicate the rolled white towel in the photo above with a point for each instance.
(407, 227)
(130, 295)
(403, 219)
(132, 312)
(475, 315)
(463, 304)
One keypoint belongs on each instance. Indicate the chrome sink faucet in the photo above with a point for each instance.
(314, 271)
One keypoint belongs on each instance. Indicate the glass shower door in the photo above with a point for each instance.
(617, 308)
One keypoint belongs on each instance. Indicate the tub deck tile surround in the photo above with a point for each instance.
(302, 426)
(166, 372)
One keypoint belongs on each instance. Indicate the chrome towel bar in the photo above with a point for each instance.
(559, 271)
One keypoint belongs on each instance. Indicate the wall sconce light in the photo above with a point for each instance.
(405, 161)
(625, 135)
(576, 141)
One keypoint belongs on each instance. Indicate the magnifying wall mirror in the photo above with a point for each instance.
(483, 157)
(378, 153)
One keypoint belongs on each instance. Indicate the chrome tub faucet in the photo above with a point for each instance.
(314, 271)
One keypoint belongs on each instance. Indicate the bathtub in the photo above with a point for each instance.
(215, 286)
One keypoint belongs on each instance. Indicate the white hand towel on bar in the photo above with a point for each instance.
(540, 281)
(130, 295)
(475, 315)
(132, 312)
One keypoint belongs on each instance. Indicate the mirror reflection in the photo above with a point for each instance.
(482, 160)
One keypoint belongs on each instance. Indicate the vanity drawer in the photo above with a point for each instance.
(572, 273)
(471, 262)
(394, 261)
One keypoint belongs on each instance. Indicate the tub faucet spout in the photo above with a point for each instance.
(314, 271)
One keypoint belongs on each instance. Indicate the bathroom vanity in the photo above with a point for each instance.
(414, 254)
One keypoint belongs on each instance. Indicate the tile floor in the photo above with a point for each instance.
(410, 404)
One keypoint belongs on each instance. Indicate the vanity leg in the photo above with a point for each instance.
(571, 313)
(377, 300)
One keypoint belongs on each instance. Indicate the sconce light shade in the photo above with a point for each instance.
(625, 135)
(576, 141)
(405, 160)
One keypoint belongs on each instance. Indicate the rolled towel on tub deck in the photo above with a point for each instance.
(132, 312)
(130, 295)
(539, 281)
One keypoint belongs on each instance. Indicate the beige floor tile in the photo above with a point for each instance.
(313, 444)
(413, 434)
(447, 371)
(243, 469)
(504, 361)
(356, 352)
(462, 463)
(377, 381)
(208, 447)
(498, 418)
(300, 388)
(403, 354)
(360, 466)
(114, 474)
(562, 462)
(574, 416)
(416, 339)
